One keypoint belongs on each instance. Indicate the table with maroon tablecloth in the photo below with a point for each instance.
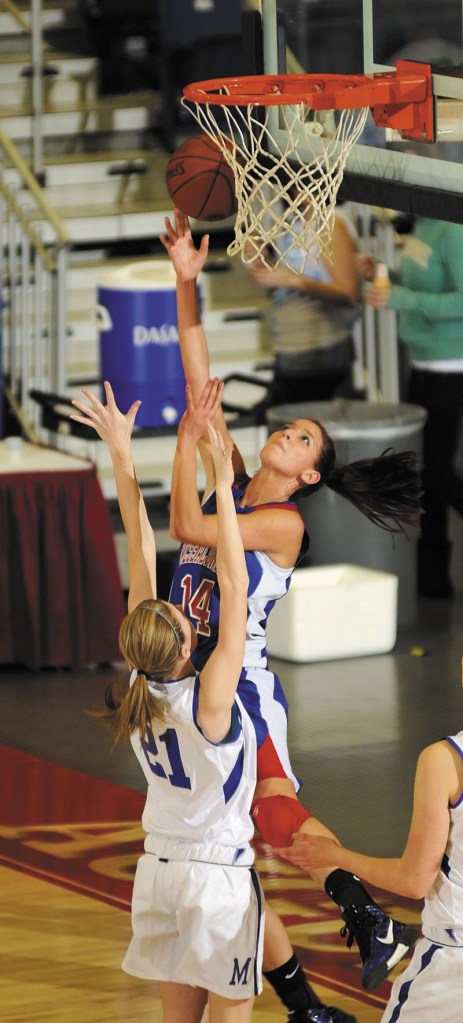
(61, 600)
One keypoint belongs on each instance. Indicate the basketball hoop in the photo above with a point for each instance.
(286, 191)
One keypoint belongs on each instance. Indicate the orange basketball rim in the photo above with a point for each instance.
(288, 180)
(400, 99)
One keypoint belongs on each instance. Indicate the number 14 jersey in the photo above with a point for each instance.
(195, 588)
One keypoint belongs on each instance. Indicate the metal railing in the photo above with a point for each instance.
(33, 296)
(33, 26)
(17, 14)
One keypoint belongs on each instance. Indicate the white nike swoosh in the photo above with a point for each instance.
(389, 936)
(289, 975)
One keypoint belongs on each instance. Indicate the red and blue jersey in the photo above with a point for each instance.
(195, 588)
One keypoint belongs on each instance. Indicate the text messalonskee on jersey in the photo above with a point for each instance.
(196, 588)
(199, 792)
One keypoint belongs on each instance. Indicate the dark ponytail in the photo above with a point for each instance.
(386, 488)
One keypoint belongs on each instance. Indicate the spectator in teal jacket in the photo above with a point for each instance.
(428, 297)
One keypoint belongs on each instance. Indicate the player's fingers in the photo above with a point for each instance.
(189, 398)
(110, 399)
(170, 232)
(218, 440)
(213, 435)
(207, 393)
(204, 245)
(182, 223)
(85, 409)
(83, 419)
(92, 397)
(215, 388)
(132, 413)
(215, 397)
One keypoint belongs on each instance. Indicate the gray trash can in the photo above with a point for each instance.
(339, 533)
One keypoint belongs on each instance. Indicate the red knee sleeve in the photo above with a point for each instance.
(277, 818)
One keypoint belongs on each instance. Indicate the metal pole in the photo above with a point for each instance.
(12, 304)
(2, 317)
(270, 49)
(270, 37)
(25, 328)
(39, 361)
(37, 90)
(60, 337)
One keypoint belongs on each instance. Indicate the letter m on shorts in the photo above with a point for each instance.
(240, 974)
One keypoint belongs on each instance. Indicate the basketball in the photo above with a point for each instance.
(200, 181)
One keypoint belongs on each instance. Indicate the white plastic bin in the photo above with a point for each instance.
(335, 611)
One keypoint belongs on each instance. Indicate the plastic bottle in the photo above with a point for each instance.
(381, 276)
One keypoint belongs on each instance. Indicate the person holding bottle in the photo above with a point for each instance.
(427, 294)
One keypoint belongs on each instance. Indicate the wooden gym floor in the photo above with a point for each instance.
(70, 810)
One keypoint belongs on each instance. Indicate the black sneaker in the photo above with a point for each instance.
(382, 941)
(321, 1014)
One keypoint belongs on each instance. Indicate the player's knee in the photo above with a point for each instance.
(277, 818)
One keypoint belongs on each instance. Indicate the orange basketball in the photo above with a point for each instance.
(200, 181)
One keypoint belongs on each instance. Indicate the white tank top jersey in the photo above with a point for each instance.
(443, 906)
(199, 793)
(267, 583)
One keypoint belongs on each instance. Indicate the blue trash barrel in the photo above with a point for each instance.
(139, 347)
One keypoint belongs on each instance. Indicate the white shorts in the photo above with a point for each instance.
(199, 924)
(430, 990)
(262, 694)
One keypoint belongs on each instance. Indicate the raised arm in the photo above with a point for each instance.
(188, 261)
(192, 429)
(115, 429)
(438, 782)
(273, 530)
(219, 677)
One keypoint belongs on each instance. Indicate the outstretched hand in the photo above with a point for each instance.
(187, 260)
(196, 417)
(310, 851)
(112, 425)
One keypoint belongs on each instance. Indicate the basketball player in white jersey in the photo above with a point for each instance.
(430, 990)
(282, 967)
(197, 908)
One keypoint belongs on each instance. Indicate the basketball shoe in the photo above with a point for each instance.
(382, 941)
(321, 1014)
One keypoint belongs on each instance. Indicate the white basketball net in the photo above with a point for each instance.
(269, 178)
